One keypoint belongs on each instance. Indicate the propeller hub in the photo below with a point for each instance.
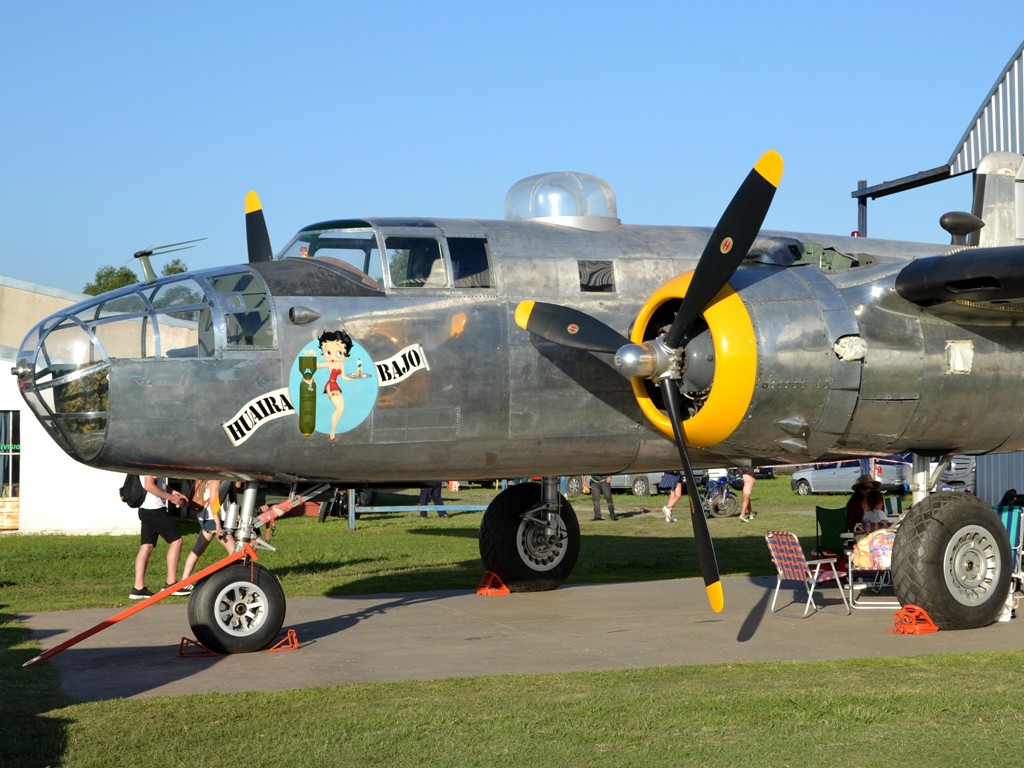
(649, 360)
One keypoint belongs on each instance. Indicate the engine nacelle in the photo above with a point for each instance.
(805, 366)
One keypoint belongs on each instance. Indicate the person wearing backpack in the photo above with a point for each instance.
(157, 522)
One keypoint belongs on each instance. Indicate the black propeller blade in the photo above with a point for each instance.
(568, 327)
(728, 246)
(701, 531)
(256, 235)
(729, 243)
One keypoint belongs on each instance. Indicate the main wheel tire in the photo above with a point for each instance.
(641, 487)
(803, 488)
(519, 550)
(723, 506)
(951, 557)
(238, 609)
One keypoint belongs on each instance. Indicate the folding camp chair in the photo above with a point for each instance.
(830, 525)
(873, 578)
(894, 506)
(792, 565)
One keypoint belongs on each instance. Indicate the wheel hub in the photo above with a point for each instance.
(972, 564)
(538, 546)
(241, 609)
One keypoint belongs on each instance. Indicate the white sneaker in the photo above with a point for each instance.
(668, 515)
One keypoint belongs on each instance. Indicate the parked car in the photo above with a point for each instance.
(839, 477)
(959, 475)
(642, 484)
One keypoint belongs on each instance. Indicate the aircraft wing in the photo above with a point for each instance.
(979, 284)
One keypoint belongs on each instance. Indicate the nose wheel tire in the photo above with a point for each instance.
(528, 552)
(951, 557)
(238, 609)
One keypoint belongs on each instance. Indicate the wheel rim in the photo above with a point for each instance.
(972, 565)
(242, 608)
(539, 550)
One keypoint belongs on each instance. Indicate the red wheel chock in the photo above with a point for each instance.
(912, 620)
(492, 584)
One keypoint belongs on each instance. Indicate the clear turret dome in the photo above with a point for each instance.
(563, 197)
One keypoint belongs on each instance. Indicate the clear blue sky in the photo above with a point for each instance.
(132, 124)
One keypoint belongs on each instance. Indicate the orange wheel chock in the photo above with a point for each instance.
(912, 620)
(193, 649)
(491, 584)
(290, 642)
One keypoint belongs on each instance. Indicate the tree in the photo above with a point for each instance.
(109, 278)
(174, 267)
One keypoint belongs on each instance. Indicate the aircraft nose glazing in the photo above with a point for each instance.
(63, 376)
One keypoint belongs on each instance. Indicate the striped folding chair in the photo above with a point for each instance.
(793, 566)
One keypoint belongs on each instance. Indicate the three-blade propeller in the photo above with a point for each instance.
(728, 246)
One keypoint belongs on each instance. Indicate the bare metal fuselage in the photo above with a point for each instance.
(480, 398)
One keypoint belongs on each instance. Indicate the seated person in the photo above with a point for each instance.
(875, 513)
(857, 504)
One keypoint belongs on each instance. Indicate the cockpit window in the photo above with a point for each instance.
(244, 300)
(415, 262)
(352, 249)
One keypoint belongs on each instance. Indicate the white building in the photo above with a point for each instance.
(42, 489)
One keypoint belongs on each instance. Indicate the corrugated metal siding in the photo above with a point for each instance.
(998, 471)
(999, 124)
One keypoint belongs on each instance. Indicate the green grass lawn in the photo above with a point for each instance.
(866, 712)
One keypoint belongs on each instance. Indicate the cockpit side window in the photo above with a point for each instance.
(471, 266)
(596, 276)
(415, 262)
(243, 298)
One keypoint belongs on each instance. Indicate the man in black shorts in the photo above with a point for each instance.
(157, 522)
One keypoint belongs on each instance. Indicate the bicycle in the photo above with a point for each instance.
(719, 499)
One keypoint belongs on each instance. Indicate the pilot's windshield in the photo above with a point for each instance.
(355, 247)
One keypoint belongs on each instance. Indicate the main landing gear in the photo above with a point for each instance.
(951, 557)
(530, 536)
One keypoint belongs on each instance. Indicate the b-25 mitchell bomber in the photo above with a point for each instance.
(557, 341)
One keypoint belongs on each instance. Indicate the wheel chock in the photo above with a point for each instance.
(912, 620)
(491, 584)
(290, 642)
(193, 649)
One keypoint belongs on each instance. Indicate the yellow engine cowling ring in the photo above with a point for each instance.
(735, 375)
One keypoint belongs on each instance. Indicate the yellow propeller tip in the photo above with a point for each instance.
(523, 311)
(252, 202)
(716, 596)
(770, 167)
